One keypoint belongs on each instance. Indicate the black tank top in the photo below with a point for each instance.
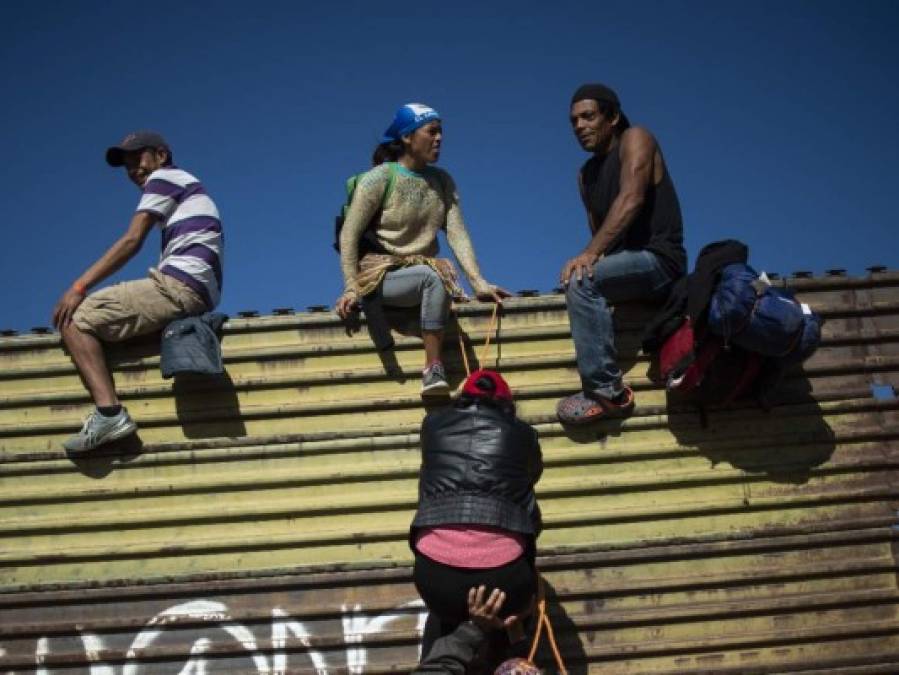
(657, 227)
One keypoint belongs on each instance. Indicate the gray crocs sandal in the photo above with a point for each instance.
(583, 409)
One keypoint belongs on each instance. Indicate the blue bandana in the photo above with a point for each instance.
(407, 119)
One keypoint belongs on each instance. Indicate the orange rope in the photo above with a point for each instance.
(490, 330)
(541, 612)
(543, 619)
(464, 354)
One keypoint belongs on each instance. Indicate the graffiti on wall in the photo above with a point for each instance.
(218, 627)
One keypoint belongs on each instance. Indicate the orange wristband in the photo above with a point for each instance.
(80, 288)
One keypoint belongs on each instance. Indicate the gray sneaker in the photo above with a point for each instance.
(99, 429)
(433, 381)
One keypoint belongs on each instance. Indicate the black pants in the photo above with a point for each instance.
(444, 590)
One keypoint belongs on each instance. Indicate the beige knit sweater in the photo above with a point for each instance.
(417, 207)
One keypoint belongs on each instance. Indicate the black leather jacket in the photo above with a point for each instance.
(479, 467)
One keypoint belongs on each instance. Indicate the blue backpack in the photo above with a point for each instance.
(760, 318)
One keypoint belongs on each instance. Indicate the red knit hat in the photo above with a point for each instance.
(487, 384)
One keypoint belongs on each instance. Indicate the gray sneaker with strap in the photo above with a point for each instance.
(99, 429)
(433, 381)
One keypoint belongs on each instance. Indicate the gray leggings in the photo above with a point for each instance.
(417, 285)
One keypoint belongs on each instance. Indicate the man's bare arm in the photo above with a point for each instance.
(638, 149)
(109, 263)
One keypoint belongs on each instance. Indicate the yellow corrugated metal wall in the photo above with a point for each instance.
(763, 543)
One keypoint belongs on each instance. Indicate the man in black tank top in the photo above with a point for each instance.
(636, 251)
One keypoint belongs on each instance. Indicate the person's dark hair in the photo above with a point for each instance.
(168, 153)
(608, 110)
(465, 399)
(387, 152)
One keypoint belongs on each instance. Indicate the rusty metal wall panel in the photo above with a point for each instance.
(758, 544)
(772, 604)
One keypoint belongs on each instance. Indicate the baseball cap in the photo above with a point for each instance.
(115, 156)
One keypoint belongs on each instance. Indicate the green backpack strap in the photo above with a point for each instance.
(391, 180)
(351, 184)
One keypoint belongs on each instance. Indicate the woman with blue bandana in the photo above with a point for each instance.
(388, 242)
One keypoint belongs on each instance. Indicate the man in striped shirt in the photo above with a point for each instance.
(187, 281)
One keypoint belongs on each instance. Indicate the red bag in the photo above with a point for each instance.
(701, 367)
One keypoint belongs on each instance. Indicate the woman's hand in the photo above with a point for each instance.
(346, 304)
(492, 294)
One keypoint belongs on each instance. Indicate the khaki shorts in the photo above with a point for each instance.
(134, 308)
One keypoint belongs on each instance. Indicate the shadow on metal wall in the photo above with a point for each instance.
(784, 442)
(207, 406)
(457, 345)
(403, 321)
(104, 460)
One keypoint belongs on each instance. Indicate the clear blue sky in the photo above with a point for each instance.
(777, 119)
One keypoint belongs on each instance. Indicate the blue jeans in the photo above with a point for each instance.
(620, 277)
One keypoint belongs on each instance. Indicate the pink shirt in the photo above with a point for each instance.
(470, 547)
